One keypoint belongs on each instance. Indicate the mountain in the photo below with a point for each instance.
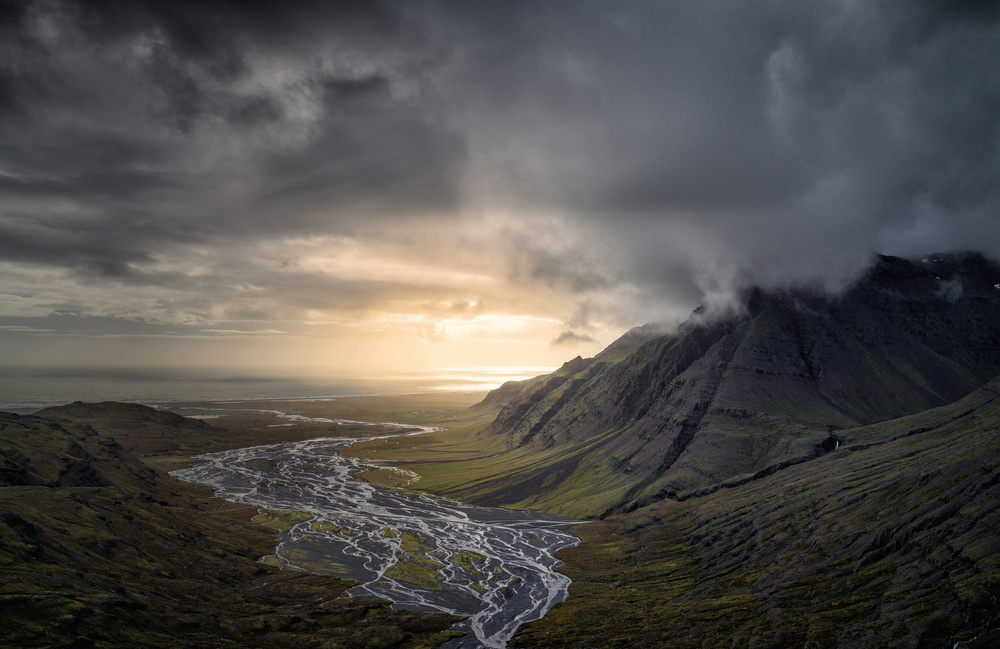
(888, 542)
(732, 396)
(99, 549)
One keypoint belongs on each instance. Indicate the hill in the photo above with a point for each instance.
(98, 549)
(732, 396)
(139, 429)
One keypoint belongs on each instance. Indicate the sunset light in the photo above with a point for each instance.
(479, 324)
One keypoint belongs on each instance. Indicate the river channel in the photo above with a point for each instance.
(494, 566)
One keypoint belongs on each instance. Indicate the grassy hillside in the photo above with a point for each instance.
(98, 549)
(890, 541)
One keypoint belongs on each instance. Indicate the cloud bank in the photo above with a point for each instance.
(447, 165)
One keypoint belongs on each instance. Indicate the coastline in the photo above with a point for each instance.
(25, 390)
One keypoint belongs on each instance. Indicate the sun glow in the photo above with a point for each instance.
(483, 325)
(487, 377)
(351, 259)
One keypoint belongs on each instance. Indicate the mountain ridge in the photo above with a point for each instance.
(730, 395)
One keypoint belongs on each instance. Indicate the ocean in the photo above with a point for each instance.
(28, 389)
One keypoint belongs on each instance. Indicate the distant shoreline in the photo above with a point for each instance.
(25, 390)
(173, 405)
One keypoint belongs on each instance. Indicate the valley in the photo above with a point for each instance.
(801, 470)
(494, 567)
(499, 325)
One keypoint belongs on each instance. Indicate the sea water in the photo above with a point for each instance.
(28, 389)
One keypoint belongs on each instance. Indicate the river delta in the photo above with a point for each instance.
(494, 566)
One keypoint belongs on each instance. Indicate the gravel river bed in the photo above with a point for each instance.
(495, 566)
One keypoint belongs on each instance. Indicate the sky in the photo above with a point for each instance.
(352, 187)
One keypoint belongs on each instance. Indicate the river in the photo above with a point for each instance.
(495, 566)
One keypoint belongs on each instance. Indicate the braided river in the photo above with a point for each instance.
(494, 566)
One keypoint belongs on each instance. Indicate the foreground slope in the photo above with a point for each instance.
(725, 398)
(889, 541)
(97, 549)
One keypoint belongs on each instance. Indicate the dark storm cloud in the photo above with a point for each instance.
(794, 139)
(132, 126)
(369, 157)
(646, 152)
(571, 339)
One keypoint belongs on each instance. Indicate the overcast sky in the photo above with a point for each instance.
(401, 185)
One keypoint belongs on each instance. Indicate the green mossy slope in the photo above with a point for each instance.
(889, 543)
(97, 549)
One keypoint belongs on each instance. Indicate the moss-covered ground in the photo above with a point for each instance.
(890, 545)
(100, 549)
(889, 541)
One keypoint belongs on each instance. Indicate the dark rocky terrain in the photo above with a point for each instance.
(739, 395)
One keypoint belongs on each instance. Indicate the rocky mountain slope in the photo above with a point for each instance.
(887, 542)
(726, 398)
